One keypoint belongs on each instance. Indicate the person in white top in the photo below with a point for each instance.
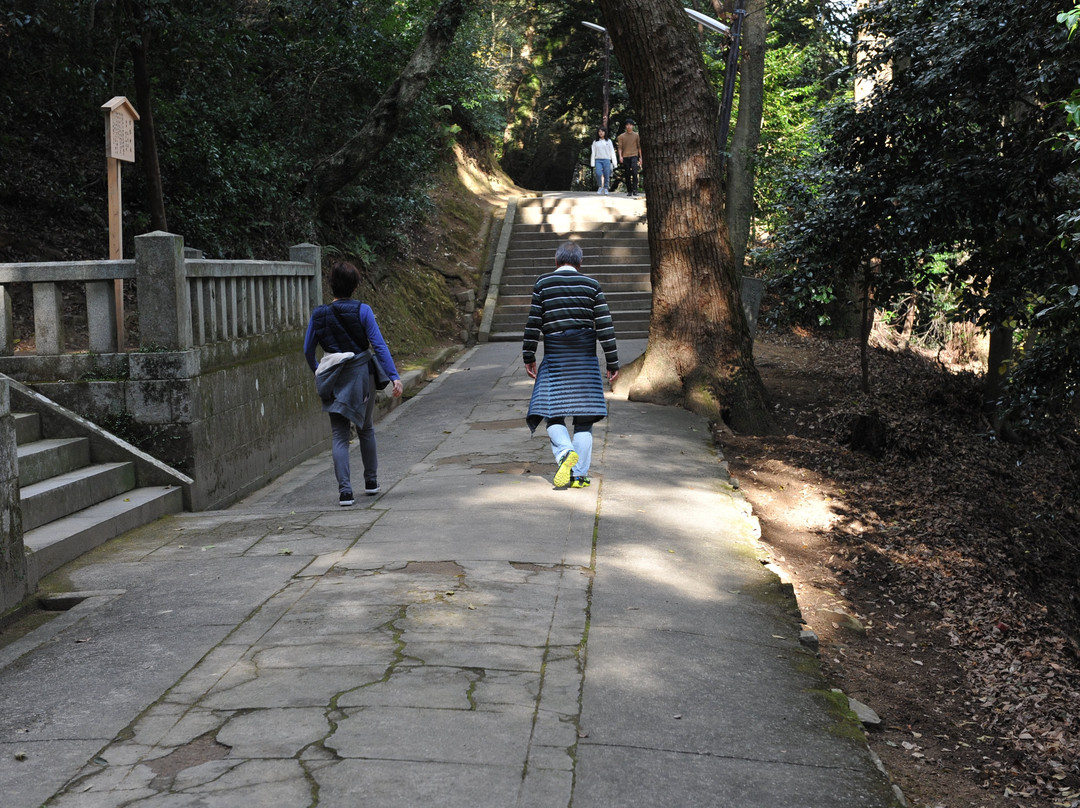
(603, 158)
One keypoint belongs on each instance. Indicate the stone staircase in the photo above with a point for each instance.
(77, 491)
(613, 236)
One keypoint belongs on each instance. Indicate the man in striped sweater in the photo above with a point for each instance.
(570, 312)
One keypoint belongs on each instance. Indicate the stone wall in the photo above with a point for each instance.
(219, 388)
(13, 581)
(230, 422)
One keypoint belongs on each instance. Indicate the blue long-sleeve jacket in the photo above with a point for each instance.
(326, 332)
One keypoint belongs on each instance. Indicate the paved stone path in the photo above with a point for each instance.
(471, 637)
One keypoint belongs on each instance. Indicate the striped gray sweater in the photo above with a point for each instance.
(566, 299)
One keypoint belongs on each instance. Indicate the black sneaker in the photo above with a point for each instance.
(371, 489)
(345, 500)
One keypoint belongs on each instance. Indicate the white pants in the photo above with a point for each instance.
(561, 443)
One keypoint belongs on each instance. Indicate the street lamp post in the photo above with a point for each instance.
(607, 69)
(728, 98)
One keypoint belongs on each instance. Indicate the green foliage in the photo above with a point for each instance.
(1070, 19)
(247, 98)
(553, 84)
(958, 152)
(1069, 221)
(1047, 377)
(795, 89)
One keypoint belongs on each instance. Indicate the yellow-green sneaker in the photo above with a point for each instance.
(580, 482)
(562, 476)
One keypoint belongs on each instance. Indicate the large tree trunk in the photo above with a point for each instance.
(998, 366)
(747, 134)
(353, 159)
(699, 350)
(147, 134)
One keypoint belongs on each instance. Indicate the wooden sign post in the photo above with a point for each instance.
(120, 119)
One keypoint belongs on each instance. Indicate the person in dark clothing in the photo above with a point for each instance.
(570, 312)
(630, 156)
(350, 339)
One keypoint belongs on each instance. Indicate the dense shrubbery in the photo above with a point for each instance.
(247, 98)
(958, 150)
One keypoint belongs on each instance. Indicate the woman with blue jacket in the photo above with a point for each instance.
(346, 331)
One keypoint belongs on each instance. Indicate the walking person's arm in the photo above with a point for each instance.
(533, 331)
(380, 348)
(310, 342)
(605, 334)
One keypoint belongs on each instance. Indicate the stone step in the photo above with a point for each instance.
(635, 264)
(41, 459)
(64, 494)
(515, 321)
(573, 229)
(518, 314)
(591, 250)
(616, 273)
(27, 427)
(594, 238)
(617, 301)
(616, 203)
(623, 331)
(517, 288)
(587, 220)
(63, 540)
(522, 298)
(613, 235)
(601, 250)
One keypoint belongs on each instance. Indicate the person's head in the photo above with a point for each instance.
(344, 278)
(568, 254)
(629, 124)
(601, 133)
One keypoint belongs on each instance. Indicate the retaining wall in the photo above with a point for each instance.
(219, 388)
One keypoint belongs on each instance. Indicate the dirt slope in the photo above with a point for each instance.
(938, 565)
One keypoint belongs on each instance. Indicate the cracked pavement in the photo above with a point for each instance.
(471, 636)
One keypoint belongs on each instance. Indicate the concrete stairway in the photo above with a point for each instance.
(613, 236)
(71, 502)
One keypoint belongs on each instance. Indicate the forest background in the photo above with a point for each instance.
(926, 232)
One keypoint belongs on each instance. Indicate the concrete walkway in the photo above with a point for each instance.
(471, 637)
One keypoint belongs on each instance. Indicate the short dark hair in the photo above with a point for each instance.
(568, 254)
(344, 278)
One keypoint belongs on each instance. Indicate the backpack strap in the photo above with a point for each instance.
(360, 344)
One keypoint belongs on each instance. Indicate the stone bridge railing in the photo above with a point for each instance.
(217, 386)
(182, 302)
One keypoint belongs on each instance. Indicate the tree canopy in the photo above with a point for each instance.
(950, 193)
(248, 98)
(959, 153)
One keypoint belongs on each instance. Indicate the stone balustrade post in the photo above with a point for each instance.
(101, 316)
(48, 320)
(13, 572)
(164, 299)
(7, 324)
(310, 254)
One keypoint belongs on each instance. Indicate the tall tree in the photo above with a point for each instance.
(699, 350)
(143, 19)
(744, 140)
(958, 150)
(356, 155)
